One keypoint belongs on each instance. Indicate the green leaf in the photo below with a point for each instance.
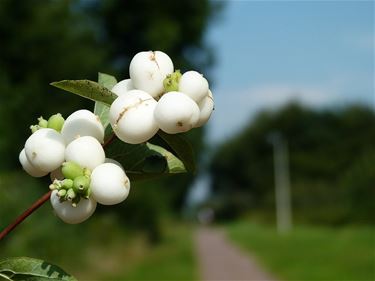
(101, 109)
(87, 89)
(106, 80)
(181, 148)
(144, 161)
(29, 269)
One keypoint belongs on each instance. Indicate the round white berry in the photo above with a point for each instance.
(132, 117)
(86, 152)
(148, 70)
(194, 85)
(206, 106)
(82, 123)
(45, 149)
(69, 214)
(176, 113)
(30, 169)
(109, 184)
(122, 87)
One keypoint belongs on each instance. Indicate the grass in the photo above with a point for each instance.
(172, 259)
(310, 253)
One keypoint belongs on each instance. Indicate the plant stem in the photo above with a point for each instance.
(25, 214)
(39, 202)
(109, 140)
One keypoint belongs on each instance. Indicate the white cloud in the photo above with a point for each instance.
(276, 95)
(362, 41)
(233, 110)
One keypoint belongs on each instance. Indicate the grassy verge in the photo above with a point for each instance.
(172, 259)
(311, 253)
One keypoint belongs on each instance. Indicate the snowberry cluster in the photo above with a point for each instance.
(71, 151)
(157, 97)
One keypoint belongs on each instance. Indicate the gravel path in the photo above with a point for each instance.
(219, 259)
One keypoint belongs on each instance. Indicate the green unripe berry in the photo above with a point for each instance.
(170, 83)
(43, 123)
(56, 122)
(81, 183)
(67, 183)
(71, 170)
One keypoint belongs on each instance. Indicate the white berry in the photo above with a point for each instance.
(109, 184)
(69, 214)
(85, 151)
(148, 70)
(206, 106)
(132, 117)
(176, 113)
(82, 123)
(30, 169)
(45, 149)
(122, 87)
(194, 85)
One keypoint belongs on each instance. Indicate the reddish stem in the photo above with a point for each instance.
(109, 140)
(25, 214)
(38, 203)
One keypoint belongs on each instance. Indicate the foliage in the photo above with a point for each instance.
(29, 269)
(38, 39)
(310, 253)
(176, 27)
(326, 150)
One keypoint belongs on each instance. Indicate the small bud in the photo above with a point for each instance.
(86, 172)
(43, 123)
(67, 184)
(56, 122)
(170, 83)
(34, 128)
(61, 193)
(81, 183)
(71, 170)
(70, 194)
(55, 185)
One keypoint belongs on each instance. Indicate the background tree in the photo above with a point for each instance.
(328, 150)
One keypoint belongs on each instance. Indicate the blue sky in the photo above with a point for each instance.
(270, 52)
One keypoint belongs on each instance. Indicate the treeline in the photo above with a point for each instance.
(331, 161)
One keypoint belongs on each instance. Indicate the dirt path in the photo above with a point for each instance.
(219, 259)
